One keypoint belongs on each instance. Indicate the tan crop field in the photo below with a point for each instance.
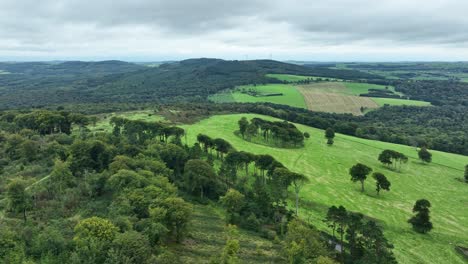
(332, 97)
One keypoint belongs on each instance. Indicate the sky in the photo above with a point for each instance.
(304, 30)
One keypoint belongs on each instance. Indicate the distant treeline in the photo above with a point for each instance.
(40, 84)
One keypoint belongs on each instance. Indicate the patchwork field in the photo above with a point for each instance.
(343, 97)
(327, 168)
(330, 96)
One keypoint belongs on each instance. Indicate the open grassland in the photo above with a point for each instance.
(394, 101)
(208, 237)
(296, 78)
(327, 168)
(290, 95)
(362, 88)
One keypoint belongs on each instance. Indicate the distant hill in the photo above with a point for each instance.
(70, 68)
(38, 84)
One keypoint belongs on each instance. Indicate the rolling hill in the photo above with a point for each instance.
(327, 168)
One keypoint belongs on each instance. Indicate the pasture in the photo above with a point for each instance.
(296, 78)
(327, 168)
(290, 95)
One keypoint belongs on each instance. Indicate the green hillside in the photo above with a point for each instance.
(327, 168)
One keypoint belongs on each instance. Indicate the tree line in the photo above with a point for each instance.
(278, 133)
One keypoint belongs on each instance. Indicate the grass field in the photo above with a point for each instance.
(296, 78)
(362, 88)
(393, 101)
(291, 95)
(327, 168)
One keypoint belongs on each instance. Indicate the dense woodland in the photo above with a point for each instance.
(69, 195)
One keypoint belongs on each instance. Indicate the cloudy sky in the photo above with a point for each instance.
(314, 30)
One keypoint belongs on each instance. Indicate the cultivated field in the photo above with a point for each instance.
(343, 97)
(327, 168)
(333, 97)
(336, 103)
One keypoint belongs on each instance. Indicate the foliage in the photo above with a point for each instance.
(421, 222)
(233, 201)
(425, 155)
(381, 182)
(359, 173)
(282, 134)
(302, 243)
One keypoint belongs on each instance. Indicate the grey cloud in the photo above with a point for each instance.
(64, 24)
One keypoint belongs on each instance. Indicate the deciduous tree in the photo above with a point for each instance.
(421, 221)
(425, 155)
(19, 199)
(359, 173)
(381, 183)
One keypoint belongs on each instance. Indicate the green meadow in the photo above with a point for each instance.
(296, 78)
(327, 168)
(291, 96)
(394, 101)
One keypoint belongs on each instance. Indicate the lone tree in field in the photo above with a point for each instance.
(359, 173)
(425, 155)
(381, 182)
(330, 135)
(420, 221)
(466, 173)
(306, 135)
